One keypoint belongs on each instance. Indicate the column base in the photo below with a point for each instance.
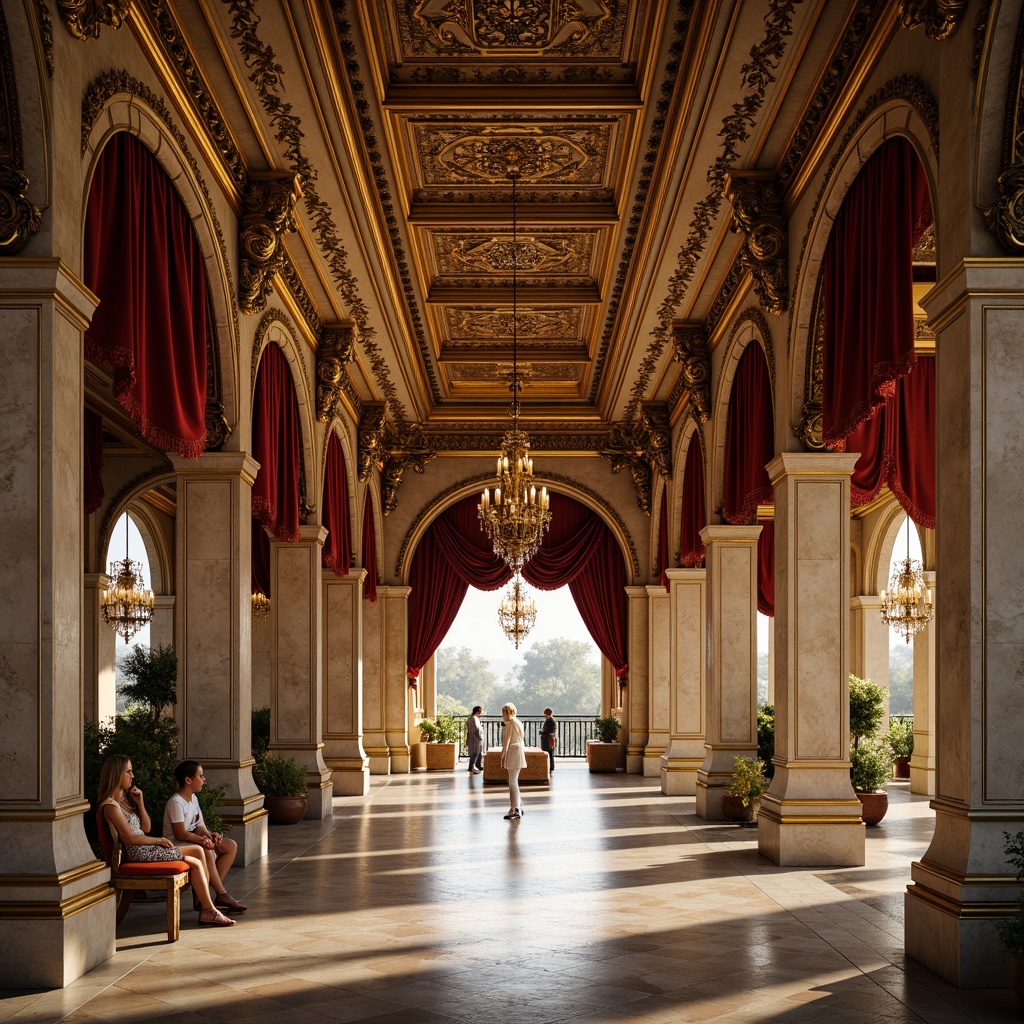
(249, 830)
(634, 760)
(320, 799)
(713, 778)
(652, 762)
(351, 775)
(380, 760)
(401, 761)
(679, 775)
(806, 833)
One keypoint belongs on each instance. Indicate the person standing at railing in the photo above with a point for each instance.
(475, 741)
(549, 736)
(513, 759)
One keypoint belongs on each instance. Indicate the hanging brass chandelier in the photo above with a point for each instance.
(515, 513)
(126, 605)
(517, 612)
(260, 609)
(907, 604)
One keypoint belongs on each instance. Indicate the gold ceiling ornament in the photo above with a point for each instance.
(515, 515)
(260, 609)
(517, 612)
(391, 450)
(690, 342)
(336, 346)
(940, 18)
(270, 200)
(642, 446)
(907, 604)
(757, 214)
(85, 18)
(126, 605)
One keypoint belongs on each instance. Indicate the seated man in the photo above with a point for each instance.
(183, 823)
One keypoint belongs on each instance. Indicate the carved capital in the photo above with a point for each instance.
(84, 18)
(371, 439)
(335, 347)
(18, 217)
(940, 18)
(391, 450)
(756, 199)
(690, 348)
(1005, 217)
(643, 447)
(269, 212)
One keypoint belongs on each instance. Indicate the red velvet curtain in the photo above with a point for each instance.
(92, 445)
(693, 517)
(568, 545)
(275, 446)
(337, 554)
(766, 570)
(143, 261)
(369, 546)
(600, 595)
(749, 438)
(260, 555)
(869, 298)
(663, 555)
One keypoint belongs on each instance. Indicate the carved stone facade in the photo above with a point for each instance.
(269, 212)
(757, 214)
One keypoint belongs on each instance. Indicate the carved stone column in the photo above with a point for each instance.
(731, 680)
(213, 623)
(810, 814)
(296, 674)
(99, 660)
(659, 630)
(685, 752)
(923, 760)
(343, 682)
(637, 698)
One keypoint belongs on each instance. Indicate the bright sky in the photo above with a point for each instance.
(137, 553)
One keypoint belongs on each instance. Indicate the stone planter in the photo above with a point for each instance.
(603, 757)
(442, 756)
(873, 806)
(901, 768)
(285, 810)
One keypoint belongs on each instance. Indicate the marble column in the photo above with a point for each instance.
(375, 737)
(685, 752)
(56, 908)
(161, 629)
(637, 698)
(922, 761)
(963, 884)
(810, 814)
(397, 703)
(99, 661)
(869, 643)
(343, 682)
(296, 665)
(659, 697)
(731, 670)
(212, 629)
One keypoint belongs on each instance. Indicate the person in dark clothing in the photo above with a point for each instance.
(549, 736)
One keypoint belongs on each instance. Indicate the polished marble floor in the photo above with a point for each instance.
(607, 902)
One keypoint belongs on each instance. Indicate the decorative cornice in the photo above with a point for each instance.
(335, 347)
(45, 34)
(643, 447)
(269, 212)
(486, 437)
(84, 18)
(391, 450)
(940, 18)
(756, 200)
(690, 342)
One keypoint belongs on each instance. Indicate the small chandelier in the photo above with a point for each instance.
(260, 609)
(127, 607)
(516, 513)
(517, 612)
(907, 604)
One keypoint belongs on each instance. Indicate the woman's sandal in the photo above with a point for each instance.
(225, 901)
(214, 917)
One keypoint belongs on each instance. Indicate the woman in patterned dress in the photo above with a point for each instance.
(125, 811)
(513, 759)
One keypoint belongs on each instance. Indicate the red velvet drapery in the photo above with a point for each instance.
(600, 596)
(275, 446)
(869, 297)
(749, 438)
(92, 445)
(143, 261)
(693, 517)
(663, 555)
(766, 569)
(260, 554)
(337, 553)
(369, 546)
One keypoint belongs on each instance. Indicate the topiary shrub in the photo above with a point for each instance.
(607, 728)
(766, 737)
(871, 766)
(280, 776)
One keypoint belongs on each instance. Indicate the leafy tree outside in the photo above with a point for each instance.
(465, 679)
(901, 679)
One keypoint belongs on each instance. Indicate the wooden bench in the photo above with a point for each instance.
(537, 770)
(128, 877)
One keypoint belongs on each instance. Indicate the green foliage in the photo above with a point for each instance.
(259, 731)
(748, 781)
(279, 776)
(901, 737)
(429, 731)
(209, 798)
(607, 728)
(560, 674)
(450, 706)
(867, 707)
(1014, 850)
(1011, 931)
(871, 766)
(464, 679)
(766, 737)
(152, 675)
(448, 730)
(901, 679)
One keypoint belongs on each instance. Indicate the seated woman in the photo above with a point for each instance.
(183, 823)
(125, 812)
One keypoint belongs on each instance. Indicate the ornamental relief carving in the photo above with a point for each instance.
(475, 323)
(336, 346)
(691, 350)
(940, 18)
(391, 450)
(757, 214)
(84, 18)
(642, 446)
(568, 252)
(810, 429)
(488, 373)
(269, 212)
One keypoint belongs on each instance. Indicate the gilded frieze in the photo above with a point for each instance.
(269, 213)
(336, 346)
(84, 18)
(570, 253)
(541, 373)
(473, 323)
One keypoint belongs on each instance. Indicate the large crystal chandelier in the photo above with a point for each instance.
(907, 604)
(127, 607)
(515, 513)
(517, 612)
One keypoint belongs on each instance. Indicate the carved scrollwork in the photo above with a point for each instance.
(757, 213)
(336, 346)
(810, 428)
(940, 18)
(84, 18)
(19, 219)
(391, 450)
(643, 447)
(269, 212)
(691, 350)
(1005, 217)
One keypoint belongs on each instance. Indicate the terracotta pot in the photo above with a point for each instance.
(1017, 976)
(733, 809)
(873, 806)
(901, 768)
(285, 810)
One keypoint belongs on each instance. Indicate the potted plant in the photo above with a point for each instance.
(743, 794)
(901, 745)
(1011, 930)
(766, 737)
(443, 745)
(870, 760)
(604, 752)
(282, 781)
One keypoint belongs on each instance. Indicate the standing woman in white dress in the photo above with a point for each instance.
(513, 759)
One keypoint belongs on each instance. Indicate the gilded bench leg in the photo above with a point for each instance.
(173, 912)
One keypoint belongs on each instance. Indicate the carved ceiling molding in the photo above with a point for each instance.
(978, 39)
(545, 436)
(690, 341)
(548, 479)
(391, 451)
(940, 18)
(570, 252)
(267, 78)
(756, 199)
(84, 18)
(811, 429)
(757, 73)
(45, 34)
(644, 447)
(268, 212)
(335, 347)
(118, 82)
(307, 307)
(726, 293)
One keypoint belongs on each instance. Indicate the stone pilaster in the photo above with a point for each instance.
(923, 761)
(343, 682)
(212, 629)
(56, 908)
(375, 738)
(685, 752)
(99, 658)
(296, 670)
(963, 884)
(161, 629)
(637, 698)
(810, 814)
(869, 640)
(731, 670)
(659, 655)
(398, 704)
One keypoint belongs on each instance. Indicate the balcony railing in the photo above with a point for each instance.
(573, 733)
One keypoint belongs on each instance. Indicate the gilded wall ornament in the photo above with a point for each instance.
(45, 34)
(564, 251)
(336, 346)
(691, 350)
(810, 429)
(756, 213)
(940, 18)
(269, 212)
(643, 447)
(84, 18)
(470, 323)
(390, 450)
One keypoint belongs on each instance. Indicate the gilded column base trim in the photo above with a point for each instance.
(241, 820)
(63, 879)
(805, 833)
(46, 814)
(57, 910)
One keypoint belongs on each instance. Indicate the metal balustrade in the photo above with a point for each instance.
(573, 732)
